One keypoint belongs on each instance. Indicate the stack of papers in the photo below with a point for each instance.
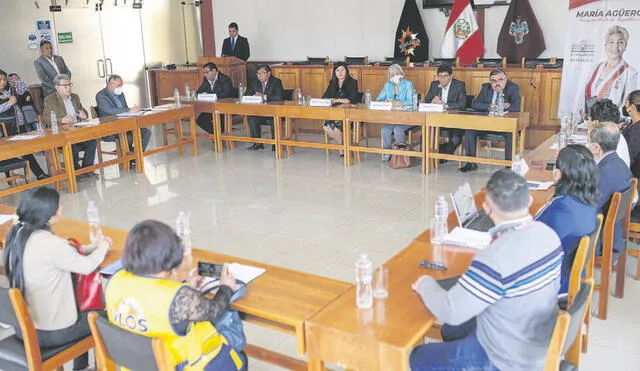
(578, 139)
(92, 122)
(538, 186)
(130, 114)
(468, 238)
(244, 273)
(24, 137)
(6, 218)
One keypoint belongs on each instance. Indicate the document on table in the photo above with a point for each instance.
(244, 273)
(92, 122)
(161, 108)
(538, 186)
(130, 114)
(24, 137)
(468, 238)
(6, 217)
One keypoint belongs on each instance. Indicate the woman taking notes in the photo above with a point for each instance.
(400, 92)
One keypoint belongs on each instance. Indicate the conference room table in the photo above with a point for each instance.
(280, 299)
(382, 337)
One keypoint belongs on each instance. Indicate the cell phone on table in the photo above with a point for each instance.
(210, 269)
(551, 164)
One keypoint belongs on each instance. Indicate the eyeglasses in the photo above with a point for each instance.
(494, 81)
(443, 76)
(66, 85)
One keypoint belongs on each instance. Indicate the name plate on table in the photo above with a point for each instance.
(430, 107)
(206, 97)
(317, 102)
(381, 106)
(252, 99)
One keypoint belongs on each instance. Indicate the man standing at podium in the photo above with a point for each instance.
(235, 45)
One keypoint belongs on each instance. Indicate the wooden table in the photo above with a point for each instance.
(48, 142)
(110, 125)
(280, 299)
(513, 122)
(381, 338)
(360, 114)
(174, 114)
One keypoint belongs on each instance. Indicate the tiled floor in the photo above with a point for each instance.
(310, 213)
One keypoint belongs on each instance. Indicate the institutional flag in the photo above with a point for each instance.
(411, 37)
(462, 37)
(521, 34)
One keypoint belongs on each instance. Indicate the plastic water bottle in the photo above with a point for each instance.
(500, 104)
(240, 91)
(176, 97)
(183, 229)
(562, 136)
(367, 99)
(414, 100)
(93, 218)
(54, 122)
(515, 164)
(439, 227)
(187, 91)
(364, 276)
(300, 97)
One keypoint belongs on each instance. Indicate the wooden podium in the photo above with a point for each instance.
(233, 67)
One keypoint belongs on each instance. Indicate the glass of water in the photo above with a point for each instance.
(381, 283)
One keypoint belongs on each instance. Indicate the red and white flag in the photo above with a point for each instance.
(462, 37)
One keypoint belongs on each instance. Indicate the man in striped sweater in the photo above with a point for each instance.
(501, 313)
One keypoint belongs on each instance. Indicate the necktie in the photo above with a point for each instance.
(264, 87)
(233, 43)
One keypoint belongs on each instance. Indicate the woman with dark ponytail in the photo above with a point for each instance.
(40, 264)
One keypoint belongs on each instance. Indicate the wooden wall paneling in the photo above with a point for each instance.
(290, 76)
(355, 72)
(373, 79)
(313, 82)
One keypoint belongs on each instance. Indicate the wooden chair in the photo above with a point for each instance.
(117, 152)
(619, 211)
(357, 60)
(26, 354)
(578, 311)
(634, 234)
(558, 338)
(9, 166)
(589, 274)
(537, 61)
(492, 62)
(578, 266)
(116, 347)
(488, 139)
(318, 60)
(453, 62)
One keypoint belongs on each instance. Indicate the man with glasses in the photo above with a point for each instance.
(488, 100)
(213, 82)
(69, 110)
(451, 93)
(269, 88)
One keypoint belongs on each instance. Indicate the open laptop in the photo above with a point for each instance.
(468, 215)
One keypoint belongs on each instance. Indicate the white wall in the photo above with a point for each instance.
(295, 29)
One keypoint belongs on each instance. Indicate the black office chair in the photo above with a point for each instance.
(356, 60)
(9, 166)
(288, 94)
(573, 342)
(437, 62)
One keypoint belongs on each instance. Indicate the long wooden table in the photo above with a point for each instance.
(280, 299)
(381, 338)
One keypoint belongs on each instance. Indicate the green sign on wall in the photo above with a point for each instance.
(65, 37)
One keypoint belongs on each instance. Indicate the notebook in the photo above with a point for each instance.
(468, 238)
(241, 272)
(467, 213)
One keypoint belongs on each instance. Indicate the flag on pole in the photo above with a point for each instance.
(521, 34)
(411, 37)
(462, 37)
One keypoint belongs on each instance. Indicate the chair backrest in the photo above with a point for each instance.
(627, 202)
(21, 321)
(288, 94)
(578, 310)
(318, 60)
(115, 346)
(577, 268)
(619, 209)
(522, 100)
(593, 243)
(470, 99)
(453, 62)
(360, 97)
(556, 345)
(4, 129)
(94, 111)
(356, 60)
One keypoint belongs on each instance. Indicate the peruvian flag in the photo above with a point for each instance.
(462, 37)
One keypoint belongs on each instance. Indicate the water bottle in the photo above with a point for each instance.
(562, 136)
(240, 91)
(187, 91)
(500, 105)
(93, 218)
(364, 276)
(54, 122)
(439, 227)
(414, 100)
(367, 99)
(183, 230)
(300, 97)
(515, 164)
(176, 97)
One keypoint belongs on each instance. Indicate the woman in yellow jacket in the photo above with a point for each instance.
(146, 298)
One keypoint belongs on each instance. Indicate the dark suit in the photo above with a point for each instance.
(240, 49)
(107, 106)
(482, 103)
(46, 73)
(456, 99)
(615, 176)
(223, 88)
(274, 91)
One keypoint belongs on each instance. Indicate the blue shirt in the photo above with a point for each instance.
(116, 99)
(405, 92)
(571, 220)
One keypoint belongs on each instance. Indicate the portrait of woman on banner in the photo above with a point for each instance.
(612, 79)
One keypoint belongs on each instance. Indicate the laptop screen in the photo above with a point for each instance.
(463, 203)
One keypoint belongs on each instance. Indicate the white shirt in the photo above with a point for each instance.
(623, 151)
(68, 106)
(445, 93)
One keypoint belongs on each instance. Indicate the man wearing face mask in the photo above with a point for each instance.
(487, 100)
(111, 101)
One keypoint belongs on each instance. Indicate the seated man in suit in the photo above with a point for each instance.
(487, 99)
(213, 82)
(111, 101)
(235, 45)
(48, 66)
(614, 174)
(271, 87)
(605, 111)
(69, 110)
(452, 94)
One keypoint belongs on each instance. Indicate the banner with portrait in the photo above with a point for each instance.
(600, 59)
